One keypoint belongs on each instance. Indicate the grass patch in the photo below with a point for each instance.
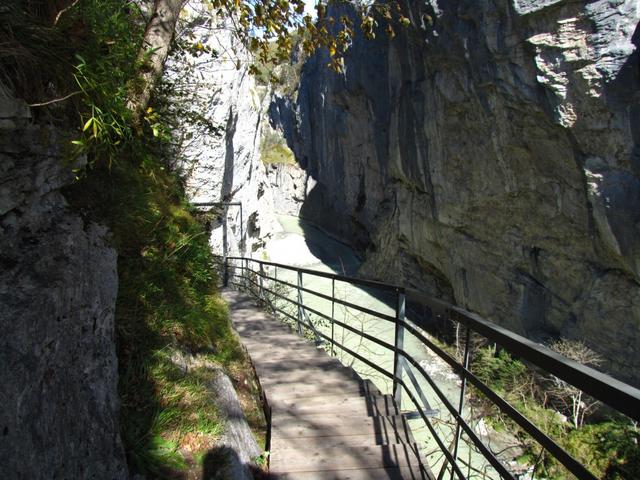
(274, 149)
(167, 301)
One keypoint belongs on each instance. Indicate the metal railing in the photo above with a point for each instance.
(261, 279)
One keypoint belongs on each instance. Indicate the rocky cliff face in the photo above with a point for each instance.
(221, 147)
(490, 157)
(58, 286)
(219, 153)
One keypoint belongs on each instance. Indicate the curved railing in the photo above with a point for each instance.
(280, 285)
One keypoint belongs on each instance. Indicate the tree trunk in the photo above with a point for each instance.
(153, 54)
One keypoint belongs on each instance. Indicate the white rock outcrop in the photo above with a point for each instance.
(220, 111)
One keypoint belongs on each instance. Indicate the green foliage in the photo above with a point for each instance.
(105, 67)
(33, 54)
(88, 57)
(500, 372)
(263, 70)
(274, 149)
(609, 449)
(157, 457)
(283, 75)
(262, 460)
(167, 301)
(264, 24)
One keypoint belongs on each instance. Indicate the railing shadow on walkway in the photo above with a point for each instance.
(399, 456)
(262, 280)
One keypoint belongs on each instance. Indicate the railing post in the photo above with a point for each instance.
(300, 313)
(463, 387)
(225, 242)
(399, 344)
(261, 282)
(333, 305)
(247, 285)
(242, 246)
(225, 246)
(225, 272)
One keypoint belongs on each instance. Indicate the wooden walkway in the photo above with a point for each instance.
(326, 422)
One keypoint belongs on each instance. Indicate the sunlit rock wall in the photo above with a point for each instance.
(219, 112)
(490, 156)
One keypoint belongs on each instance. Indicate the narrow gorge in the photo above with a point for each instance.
(502, 177)
(484, 154)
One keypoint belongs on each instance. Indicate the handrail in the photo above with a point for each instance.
(334, 276)
(337, 300)
(620, 396)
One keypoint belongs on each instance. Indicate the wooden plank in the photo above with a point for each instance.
(305, 375)
(372, 405)
(403, 473)
(343, 458)
(276, 338)
(273, 352)
(331, 386)
(258, 357)
(294, 363)
(395, 428)
(364, 439)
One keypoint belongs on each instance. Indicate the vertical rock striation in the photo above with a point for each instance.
(491, 157)
(219, 151)
(58, 285)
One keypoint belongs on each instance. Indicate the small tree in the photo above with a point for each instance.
(572, 397)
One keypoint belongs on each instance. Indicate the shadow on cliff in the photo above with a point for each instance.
(622, 94)
(345, 260)
(620, 184)
(318, 214)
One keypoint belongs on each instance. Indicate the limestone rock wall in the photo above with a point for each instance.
(289, 184)
(58, 286)
(219, 153)
(491, 157)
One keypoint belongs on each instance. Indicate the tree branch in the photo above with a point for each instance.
(55, 100)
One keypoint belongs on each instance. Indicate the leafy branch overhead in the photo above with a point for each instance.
(265, 23)
(260, 24)
(113, 52)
